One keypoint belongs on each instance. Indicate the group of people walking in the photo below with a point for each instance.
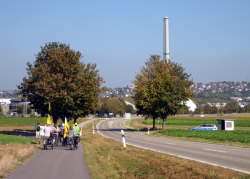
(58, 132)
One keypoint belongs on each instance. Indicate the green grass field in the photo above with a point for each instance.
(219, 135)
(195, 121)
(21, 121)
(6, 139)
(27, 121)
(243, 116)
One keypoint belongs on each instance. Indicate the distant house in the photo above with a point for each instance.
(241, 105)
(17, 102)
(223, 104)
(5, 101)
(236, 98)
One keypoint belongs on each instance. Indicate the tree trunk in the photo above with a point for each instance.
(55, 118)
(153, 122)
(164, 117)
(75, 118)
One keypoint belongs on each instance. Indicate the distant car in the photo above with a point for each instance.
(204, 127)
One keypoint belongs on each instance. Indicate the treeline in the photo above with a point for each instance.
(231, 107)
(222, 96)
(209, 100)
(203, 98)
(114, 105)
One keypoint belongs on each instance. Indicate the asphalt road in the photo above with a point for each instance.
(235, 158)
(58, 163)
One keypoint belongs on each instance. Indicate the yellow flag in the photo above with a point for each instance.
(49, 120)
(66, 128)
(81, 132)
(49, 107)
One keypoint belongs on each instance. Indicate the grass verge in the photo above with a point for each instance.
(176, 120)
(6, 139)
(107, 158)
(14, 151)
(242, 132)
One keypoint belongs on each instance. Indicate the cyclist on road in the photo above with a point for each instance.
(47, 130)
(70, 136)
(76, 134)
(54, 131)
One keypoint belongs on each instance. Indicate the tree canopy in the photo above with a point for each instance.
(59, 77)
(160, 89)
(113, 105)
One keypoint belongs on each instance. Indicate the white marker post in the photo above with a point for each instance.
(123, 139)
(148, 131)
(93, 128)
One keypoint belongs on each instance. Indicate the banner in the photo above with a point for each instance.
(49, 120)
(66, 128)
(49, 107)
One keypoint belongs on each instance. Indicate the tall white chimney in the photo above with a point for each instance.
(165, 39)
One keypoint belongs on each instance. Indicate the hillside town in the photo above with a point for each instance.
(238, 92)
(220, 87)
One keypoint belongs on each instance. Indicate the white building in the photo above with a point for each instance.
(190, 104)
(5, 101)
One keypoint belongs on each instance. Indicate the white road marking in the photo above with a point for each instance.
(215, 150)
(169, 143)
(110, 124)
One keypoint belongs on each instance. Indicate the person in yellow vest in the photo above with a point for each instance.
(76, 134)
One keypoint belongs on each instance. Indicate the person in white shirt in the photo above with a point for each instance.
(47, 130)
(70, 135)
(54, 130)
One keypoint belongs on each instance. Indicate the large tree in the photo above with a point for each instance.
(113, 105)
(160, 89)
(59, 77)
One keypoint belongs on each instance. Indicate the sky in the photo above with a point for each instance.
(210, 39)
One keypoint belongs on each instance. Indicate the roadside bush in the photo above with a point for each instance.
(32, 115)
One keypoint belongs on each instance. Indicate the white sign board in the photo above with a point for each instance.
(127, 115)
(229, 125)
(111, 114)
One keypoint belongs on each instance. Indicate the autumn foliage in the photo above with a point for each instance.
(160, 88)
(60, 78)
